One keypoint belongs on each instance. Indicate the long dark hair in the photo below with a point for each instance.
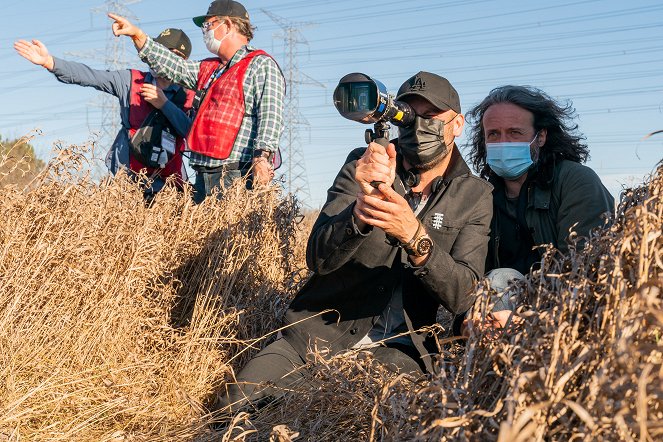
(563, 141)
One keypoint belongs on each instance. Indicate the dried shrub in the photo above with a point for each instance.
(119, 321)
(18, 162)
(586, 362)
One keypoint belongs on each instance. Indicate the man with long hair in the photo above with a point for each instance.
(528, 147)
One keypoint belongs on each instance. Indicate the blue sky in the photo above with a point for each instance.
(604, 55)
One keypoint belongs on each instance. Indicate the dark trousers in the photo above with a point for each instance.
(209, 179)
(280, 369)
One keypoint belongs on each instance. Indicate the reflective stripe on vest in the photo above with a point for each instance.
(219, 118)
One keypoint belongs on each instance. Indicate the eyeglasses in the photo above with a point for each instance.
(208, 24)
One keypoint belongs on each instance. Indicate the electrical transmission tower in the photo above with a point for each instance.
(296, 177)
(114, 57)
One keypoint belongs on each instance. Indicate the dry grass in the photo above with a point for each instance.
(119, 322)
(18, 163)
(585, 364)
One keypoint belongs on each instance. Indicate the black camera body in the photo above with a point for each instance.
(360, 98)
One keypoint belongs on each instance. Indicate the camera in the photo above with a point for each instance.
(360, 98)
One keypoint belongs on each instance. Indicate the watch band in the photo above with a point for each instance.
(407, 246)
(421, 243)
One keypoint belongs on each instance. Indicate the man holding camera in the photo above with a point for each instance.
(239, 105)
(404, 230)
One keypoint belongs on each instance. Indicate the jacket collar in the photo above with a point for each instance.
(457, 166)
(241, 53)
(537, 197)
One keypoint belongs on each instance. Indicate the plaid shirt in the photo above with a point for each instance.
(264, 90)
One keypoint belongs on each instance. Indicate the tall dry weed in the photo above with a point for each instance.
(120, 321)
(586, 363)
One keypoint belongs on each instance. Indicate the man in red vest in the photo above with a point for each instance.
(239, 105)
(151, 105)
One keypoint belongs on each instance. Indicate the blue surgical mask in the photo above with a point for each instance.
(509, 160)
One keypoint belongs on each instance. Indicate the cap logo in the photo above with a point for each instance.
(418, 84)
(182, 47)
(165, 33)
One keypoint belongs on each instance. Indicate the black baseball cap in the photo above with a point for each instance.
(433, 88)
(222, 8)
(175, 40)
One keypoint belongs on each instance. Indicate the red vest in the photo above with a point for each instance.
(139, 109)
(219, 118)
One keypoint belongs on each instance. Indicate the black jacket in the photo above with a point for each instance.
(355, 274)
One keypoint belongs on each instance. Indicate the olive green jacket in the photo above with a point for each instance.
(575, 200)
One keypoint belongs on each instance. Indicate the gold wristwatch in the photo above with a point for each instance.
(420, 245)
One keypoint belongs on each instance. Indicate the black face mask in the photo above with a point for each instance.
(423, 141)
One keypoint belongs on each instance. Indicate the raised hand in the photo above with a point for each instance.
(34, 51)
(122, 26)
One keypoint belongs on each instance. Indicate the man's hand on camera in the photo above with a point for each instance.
(389, 212)
(153, 95)
(378, 164)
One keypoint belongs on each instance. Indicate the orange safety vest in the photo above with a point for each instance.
(219, 117)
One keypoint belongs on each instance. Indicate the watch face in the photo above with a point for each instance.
(424, 246)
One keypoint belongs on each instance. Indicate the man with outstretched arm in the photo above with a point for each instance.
(239, 107)
(144, 99)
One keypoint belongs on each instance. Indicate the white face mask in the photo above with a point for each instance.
(211, 42)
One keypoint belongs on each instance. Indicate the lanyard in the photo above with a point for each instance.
(201, 93)
(216, 74)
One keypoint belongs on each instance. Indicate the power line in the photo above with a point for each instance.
(297, 181)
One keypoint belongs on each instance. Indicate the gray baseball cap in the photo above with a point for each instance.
(433, 88)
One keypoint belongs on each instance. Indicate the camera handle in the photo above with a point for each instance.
(379, 134)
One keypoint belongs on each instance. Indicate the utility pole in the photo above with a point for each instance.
(296, 177)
